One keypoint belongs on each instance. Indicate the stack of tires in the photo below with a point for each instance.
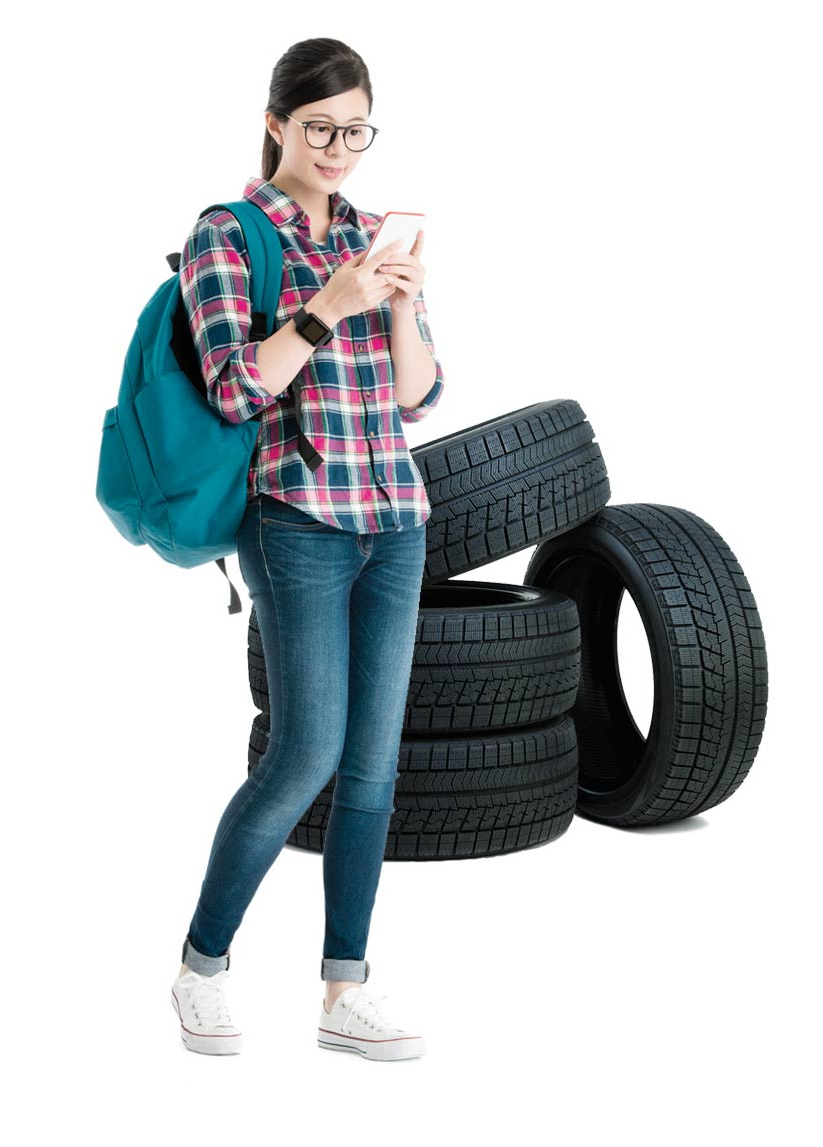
(516, 717)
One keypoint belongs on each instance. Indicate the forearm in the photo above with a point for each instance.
(282, 355)
(414, 366)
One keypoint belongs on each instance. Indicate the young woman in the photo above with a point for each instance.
(332, 545)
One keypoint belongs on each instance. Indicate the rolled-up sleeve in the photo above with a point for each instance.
(215, 285)
(431, 399)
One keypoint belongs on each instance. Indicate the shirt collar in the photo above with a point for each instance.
(281, 208)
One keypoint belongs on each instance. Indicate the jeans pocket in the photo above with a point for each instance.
(285, 516)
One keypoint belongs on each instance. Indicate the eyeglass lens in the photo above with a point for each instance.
(358, 136)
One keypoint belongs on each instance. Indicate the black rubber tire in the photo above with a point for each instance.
(487, 655)
(708, 654)
(464, 797)
(508, 483)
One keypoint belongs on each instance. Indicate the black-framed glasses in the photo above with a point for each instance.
(319, 133)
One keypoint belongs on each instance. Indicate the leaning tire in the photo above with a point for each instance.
(487, 655)
(506, 484)
(466, 796)
(708, 655)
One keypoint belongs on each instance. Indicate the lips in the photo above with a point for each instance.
(329, 170)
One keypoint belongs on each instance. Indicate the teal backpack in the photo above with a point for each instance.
(173, 472)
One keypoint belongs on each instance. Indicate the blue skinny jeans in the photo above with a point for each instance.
(337, 613)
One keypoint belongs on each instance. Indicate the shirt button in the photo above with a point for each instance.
(367, 393)
(362, 346)
(371, 434)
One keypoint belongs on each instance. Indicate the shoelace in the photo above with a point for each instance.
(367, 1008)
(208, 1002)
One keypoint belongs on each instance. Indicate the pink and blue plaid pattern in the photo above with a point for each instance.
(369, 482)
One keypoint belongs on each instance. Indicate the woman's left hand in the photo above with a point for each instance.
(407, 273)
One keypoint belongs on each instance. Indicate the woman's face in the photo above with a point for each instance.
(302, 162)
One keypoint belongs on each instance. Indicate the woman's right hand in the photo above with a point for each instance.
(356, 286)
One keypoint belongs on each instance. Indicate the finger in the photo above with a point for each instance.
(400, 259)
(390, 249)
(411, 280)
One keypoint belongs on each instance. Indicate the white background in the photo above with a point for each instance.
(624, 208)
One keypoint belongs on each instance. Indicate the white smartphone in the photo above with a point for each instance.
(394, 225)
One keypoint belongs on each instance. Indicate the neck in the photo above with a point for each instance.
(316, 204)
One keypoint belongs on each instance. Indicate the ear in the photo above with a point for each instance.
(273, 123)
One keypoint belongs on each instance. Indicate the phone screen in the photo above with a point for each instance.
(394, 225)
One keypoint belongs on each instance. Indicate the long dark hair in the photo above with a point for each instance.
(308, 71)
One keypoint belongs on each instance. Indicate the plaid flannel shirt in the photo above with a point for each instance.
(369, 482)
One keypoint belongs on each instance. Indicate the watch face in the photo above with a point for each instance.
(313, 329)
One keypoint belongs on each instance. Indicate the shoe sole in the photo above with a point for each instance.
(207, 1044)
(385, 1051)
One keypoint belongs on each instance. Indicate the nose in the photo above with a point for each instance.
(336, 147)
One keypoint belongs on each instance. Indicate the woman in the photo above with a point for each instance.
(332, 545)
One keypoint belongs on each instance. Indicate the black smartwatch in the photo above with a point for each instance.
(312, 328)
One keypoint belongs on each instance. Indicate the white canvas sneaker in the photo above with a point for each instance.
(356, 1023)
(205, 1023)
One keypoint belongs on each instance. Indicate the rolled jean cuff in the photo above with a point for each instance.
(204, 965)
(355, 970)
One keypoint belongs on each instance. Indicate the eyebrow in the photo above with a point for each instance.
(325, 115)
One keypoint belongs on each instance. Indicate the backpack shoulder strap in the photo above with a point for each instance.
(265, 260)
